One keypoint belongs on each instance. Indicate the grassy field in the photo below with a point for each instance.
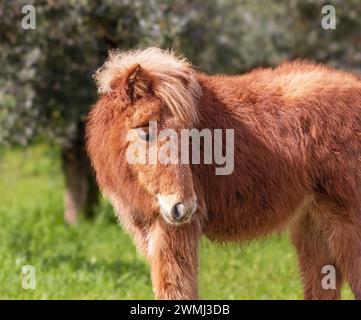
(97, 260)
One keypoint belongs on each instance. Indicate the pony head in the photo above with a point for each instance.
(137, 88)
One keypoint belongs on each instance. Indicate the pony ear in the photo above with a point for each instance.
(138, 83)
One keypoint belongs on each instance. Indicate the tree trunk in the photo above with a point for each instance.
(81, 191)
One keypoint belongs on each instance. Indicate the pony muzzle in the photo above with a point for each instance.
(174, 210)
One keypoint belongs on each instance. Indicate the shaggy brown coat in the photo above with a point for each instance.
(297, 163)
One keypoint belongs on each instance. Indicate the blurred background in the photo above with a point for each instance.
(51, 214)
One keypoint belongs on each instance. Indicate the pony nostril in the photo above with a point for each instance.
(178, 211)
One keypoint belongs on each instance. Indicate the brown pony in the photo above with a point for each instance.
(297, 164)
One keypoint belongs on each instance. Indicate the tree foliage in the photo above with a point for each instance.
(46, 87)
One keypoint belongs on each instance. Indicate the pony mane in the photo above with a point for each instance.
(176, 84)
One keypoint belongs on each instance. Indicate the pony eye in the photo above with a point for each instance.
(145, 135)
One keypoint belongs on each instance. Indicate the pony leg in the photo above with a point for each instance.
(313, 254)
(345, 240)
(173, 255)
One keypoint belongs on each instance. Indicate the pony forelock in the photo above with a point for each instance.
(176, 83)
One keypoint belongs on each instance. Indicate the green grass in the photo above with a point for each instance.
(97, 260)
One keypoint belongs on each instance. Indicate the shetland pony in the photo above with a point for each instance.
(297, 164)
